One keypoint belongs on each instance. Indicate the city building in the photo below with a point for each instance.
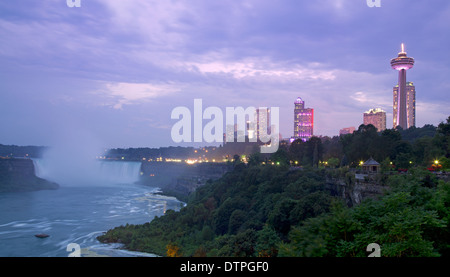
(347, 130)
(262, 118)
(256, 127)
(401, 116)
(303, 121)
(376, 117)
(410, 104)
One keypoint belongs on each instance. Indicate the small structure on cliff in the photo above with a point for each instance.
(370, 166)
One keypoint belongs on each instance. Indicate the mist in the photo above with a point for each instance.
(71, 161)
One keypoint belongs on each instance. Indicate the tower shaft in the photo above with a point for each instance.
(402, 117)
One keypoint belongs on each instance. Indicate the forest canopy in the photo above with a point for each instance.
(280, 209)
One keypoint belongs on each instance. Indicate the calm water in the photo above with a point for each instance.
(74, 215)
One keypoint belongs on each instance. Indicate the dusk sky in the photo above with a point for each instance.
(113, 70)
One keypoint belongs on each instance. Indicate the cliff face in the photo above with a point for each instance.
(180, 179)
(354, 192)
(17, 175)
(23, 167)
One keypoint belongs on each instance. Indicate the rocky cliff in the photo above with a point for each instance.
(18, 175)
(355, 191)
(180, 179)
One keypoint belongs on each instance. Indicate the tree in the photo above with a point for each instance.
(244, 243)
(333, 162)
(444, 130)
(387, 142)
(267, 242)
(332, 147)
(313, 151)
(360, 145)
(255, 159)
(315, 156)
(280, 157)
(297, 150)
(279, 218)
(344, 161)
(401, 148)
(236, 159)
(173, 250)
(237, 218)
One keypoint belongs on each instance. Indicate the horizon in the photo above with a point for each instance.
(110, 73)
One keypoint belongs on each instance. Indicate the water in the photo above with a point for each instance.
(90, 172)
(77, 214)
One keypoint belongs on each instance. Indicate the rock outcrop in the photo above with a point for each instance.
(18, 175)
(355, 191)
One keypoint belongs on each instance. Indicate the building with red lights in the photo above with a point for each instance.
(303, 121)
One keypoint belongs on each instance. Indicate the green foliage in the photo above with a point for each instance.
(333, 162)
(410, 221)
(245, 213)
(307, 153)
(267, 242)
(273, 210)
(405, 148)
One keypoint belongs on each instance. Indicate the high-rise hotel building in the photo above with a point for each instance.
(261, 124)
(410, 105)
(376, 117)
(303, 121)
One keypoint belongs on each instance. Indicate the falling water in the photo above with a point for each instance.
(97, 173)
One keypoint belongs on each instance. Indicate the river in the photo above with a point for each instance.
(76, 215)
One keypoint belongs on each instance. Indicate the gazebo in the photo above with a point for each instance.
(371, 166)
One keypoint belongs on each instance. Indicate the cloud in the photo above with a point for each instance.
(117, 95)
(124, 61)
(261, 68)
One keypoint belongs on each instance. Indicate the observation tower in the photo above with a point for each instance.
(401, 63)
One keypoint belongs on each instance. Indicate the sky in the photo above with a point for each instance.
(112, 71)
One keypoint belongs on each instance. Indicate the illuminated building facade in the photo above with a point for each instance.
(303, 121)
(410, 104)
(376, 117)
(262, 118)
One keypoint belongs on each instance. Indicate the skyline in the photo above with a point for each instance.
(112, 71)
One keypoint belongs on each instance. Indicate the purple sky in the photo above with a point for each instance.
(112, 71)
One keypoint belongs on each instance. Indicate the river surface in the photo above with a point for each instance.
(75, 214)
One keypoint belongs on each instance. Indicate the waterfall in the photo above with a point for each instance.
(120, 172)
(89, 173)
